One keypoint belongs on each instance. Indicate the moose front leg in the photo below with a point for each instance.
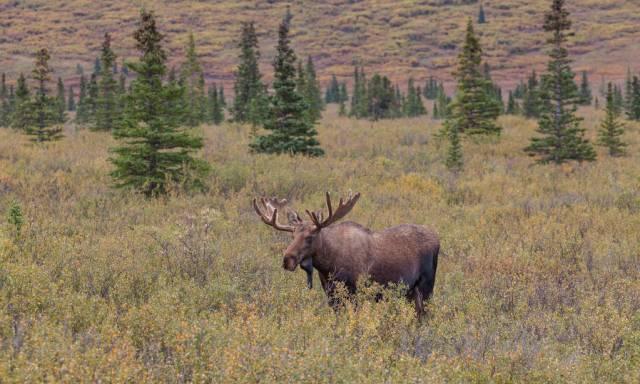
(307, 266)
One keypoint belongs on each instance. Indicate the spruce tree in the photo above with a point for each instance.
(216, 112)
(343, 97)
(4, 102)
(633, 112)
(628, 91)
(97, 66)
(106, 104)
(531, 97)
(221, 98)
(513, 107)
(332, 94)
(481, 16)
(93, 93)
(380, 97)
(82, 113)
(192, 76)
(21, 117)
(71, 101)
(154, 151)
(251, 101)
(474, 111)
(312, 91)
(61, 102)
(291, 131)
(44, 118)
(454, 160)
(611, 128)
(562, 137)
(585, 90)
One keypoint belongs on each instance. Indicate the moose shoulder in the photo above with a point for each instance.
(344, 252)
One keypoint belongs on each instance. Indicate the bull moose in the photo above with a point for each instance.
(343, 252)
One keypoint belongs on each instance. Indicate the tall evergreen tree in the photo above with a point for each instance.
(474, 111)
(611, 128)
(585, 90)
(221, 98)
(106, 113)
(20, 117)
(192, 76)
(562, 137)
(251, 102)
(44, 119)
(154, 152)
(61, 102)
(291, 130)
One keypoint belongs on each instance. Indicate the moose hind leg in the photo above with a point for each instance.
(419, 301)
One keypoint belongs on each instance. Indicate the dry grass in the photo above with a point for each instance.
(538, 281)
(398, 38)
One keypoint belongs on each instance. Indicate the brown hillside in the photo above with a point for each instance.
(399, 38)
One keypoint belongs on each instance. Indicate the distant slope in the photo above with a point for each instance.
(399, 38)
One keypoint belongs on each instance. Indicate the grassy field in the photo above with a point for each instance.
(538, 279)
(399, 38)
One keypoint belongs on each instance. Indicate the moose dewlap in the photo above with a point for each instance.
(343, 252)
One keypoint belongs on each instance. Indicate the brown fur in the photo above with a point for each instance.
(347, 251)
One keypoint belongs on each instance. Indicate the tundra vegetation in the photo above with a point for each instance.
(538, 278)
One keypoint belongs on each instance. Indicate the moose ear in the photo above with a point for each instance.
(293, 217)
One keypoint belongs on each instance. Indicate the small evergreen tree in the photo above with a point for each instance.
(44, 119)
(154, 152)
(215, 106)
(93, 93)
(71, 101)
(474, 111)
(221, 98)
(21, 116)
(332, 94)
(82, 114)
(481, 16)
(61, 102)
(513, 108)
(611, 128)
(4, 102)
(562, 137)
(454, 161)
(97, 67)
(291, 130)
(585, 90)
(628, 91)
(312, 92)
(531, 97)
(106, 103)
(634, 100)
(192, 76)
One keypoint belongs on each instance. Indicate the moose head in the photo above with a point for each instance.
(302, 247)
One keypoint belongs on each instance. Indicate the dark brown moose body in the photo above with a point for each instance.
(345, 252)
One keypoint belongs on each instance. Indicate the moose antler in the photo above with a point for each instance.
(270, 217)
(343, 209)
